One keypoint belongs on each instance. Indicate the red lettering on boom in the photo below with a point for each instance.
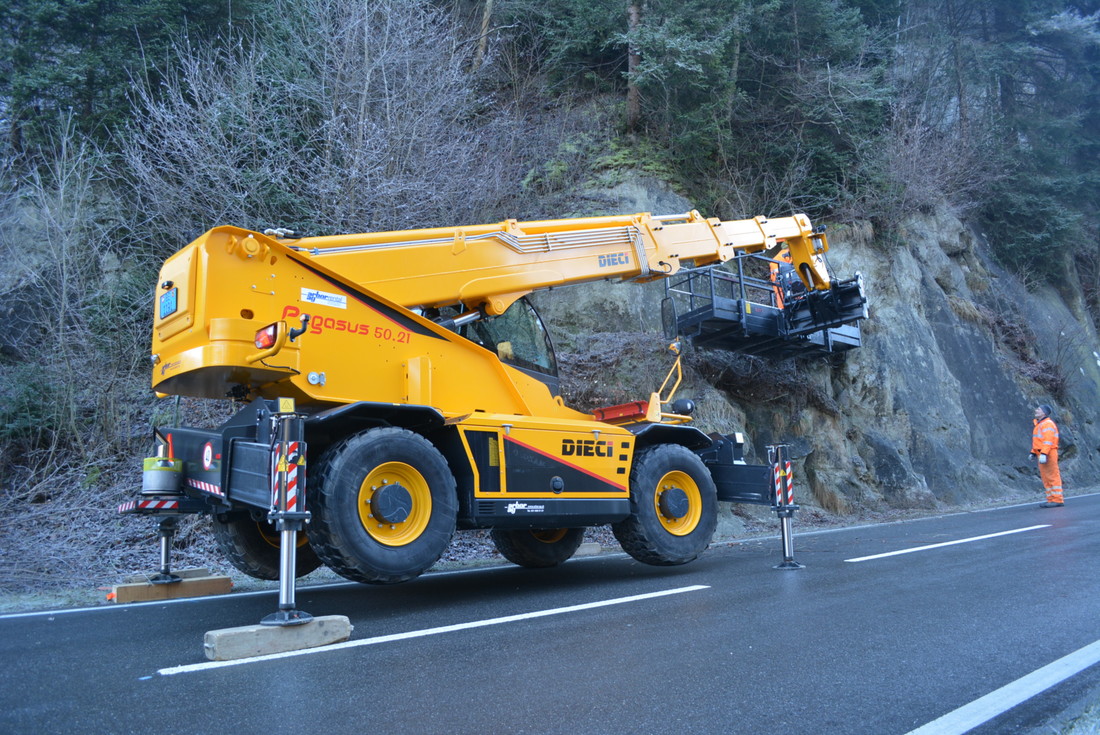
(319, 325)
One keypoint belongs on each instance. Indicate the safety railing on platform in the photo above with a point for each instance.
(745, 278)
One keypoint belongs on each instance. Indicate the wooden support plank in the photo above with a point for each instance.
(228, 644)
(181, 573)
(188, 587)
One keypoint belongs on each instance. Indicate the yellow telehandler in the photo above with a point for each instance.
(425, 386)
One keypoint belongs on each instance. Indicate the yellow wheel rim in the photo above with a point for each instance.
(677, 481)
(273, 538)
(550, 536)
(378, 480)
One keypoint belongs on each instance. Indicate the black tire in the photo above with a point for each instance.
(252, 547)
(673, 507)
(384, 506)
(539, 548)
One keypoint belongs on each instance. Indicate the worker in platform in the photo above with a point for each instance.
(1044, 447)
(784, 278)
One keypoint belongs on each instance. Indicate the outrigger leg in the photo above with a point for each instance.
(287, 629)
(784, 502)
(166, 529)
(288, 508)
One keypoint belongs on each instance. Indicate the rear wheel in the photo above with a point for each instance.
(538, 549)
(674, 507)
(252, 546)
(384, 506)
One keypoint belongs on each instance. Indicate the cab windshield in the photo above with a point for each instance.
(518, 337)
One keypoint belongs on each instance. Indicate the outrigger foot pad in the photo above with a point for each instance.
(287, 617)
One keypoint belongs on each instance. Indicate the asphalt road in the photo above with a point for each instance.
(726, 644)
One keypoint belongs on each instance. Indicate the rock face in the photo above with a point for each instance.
(935, 409)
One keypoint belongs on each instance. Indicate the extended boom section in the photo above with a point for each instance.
(425, 387)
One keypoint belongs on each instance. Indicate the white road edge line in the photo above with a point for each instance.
(188, 668)
(273, 592)
(946, 543)
(983, 710)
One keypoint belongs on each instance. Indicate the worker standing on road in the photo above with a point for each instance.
(1044, 445)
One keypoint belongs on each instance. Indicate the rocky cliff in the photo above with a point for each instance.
(933, 411)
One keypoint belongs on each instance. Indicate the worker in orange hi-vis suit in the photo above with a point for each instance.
(780, 265)
(1044, 445)
(784, 278)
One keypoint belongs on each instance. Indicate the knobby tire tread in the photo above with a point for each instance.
(324, 539)
(641, 534)
(528, 552)
(254, 556)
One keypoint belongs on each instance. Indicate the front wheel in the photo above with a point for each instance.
(673, 507)
(384, 506)
(540, 548)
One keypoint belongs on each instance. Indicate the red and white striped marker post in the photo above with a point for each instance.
(777, 483)
(784, 501)
(288, 513)
(790, 481)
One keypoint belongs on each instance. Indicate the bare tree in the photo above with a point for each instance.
(633, 60)
(483, 35)
(352, 116)
(71, 310)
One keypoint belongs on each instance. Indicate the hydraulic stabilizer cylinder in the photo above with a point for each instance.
(288, 513)
(784, 501)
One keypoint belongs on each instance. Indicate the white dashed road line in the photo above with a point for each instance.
(946, 543)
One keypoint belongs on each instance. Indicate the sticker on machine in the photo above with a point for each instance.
(513, 508)
(313, 296)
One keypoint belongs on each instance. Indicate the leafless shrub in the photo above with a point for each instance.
(1067, 354)
(70, 300)
(358, 116)
(1088, 273)
(917, 167)
(74, 405)
(750, 187)
(761, 382)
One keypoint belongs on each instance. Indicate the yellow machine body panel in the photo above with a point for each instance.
(518, 456)
(218, 292)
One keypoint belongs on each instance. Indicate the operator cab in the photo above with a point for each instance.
(520, 339)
